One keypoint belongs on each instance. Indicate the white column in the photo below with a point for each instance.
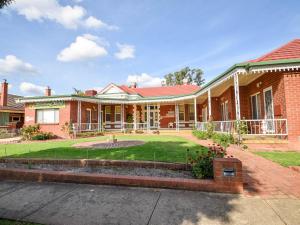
(99, 117)
(148, 117)
(209, 103)
(177, 116)
(195, 111)
(158, 116)
(134, 117)
(122, 116)
(237, 97)
(79, 115)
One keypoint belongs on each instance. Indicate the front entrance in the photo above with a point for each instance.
(153, 116)
(88, 119)
(269, 111)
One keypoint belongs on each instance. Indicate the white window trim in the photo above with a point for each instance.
(118, 113)
(43, 122)
(255, 94)
(265, 90)
(183, 112)
(222, 110)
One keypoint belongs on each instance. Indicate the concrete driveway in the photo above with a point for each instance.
(67, 204)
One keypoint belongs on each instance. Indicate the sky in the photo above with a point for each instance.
(87, 44)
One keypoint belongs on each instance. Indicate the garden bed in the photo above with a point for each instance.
(113, 170)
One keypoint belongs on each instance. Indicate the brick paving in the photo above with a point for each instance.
(262, 177)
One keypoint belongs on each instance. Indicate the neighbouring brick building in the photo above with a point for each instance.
(261, 94)
(11, 112)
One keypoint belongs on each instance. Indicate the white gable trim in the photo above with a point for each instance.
(112, 89)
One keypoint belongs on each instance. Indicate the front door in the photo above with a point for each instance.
(269, 110)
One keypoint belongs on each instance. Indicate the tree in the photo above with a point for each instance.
(185, 74)
(4, 3)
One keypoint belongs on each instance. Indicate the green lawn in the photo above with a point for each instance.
(159, 148)
(283, 158)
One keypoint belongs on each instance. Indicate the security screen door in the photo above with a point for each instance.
(269, 111)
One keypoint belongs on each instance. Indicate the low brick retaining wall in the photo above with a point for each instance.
(220, 183)
(99, 163)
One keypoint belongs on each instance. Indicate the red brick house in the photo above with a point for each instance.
(261, 94)
(11, 112)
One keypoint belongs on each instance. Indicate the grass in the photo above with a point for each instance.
(156, 147)
(13, 222)
(283, 158)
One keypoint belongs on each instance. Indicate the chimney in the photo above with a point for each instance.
(133, 85)
(90, 92)
(48, 91)
(4, 93)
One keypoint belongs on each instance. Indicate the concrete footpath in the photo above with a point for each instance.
(68, 204)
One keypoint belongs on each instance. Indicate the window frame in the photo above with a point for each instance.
(120, 113)
(55, 114)
(257, 96)
(183, 112)
(106, 113)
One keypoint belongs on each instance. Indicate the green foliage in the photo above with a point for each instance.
(202, 135)
(90, 134)
(4, 3)
(191, 75)
(28, 132)
(4, 134)
(223, 139)
(241, 127)
(129, 118)
(67, 128)
(210, 129)
(202, 163)
(42, 136)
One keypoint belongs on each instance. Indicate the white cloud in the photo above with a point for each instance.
(11, 64)
(125, 51)
(32, 89)
(145, 80)
(70, 17)
(85, 47)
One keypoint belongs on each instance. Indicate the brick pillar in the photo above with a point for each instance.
(4, 93)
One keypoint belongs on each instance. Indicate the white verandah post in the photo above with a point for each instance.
(99, 117)
(177, 116)
(237, 104)
(79, 115)
(195, 111)
(148, 117)
(134, 117)
(209, 103)
(122, 117)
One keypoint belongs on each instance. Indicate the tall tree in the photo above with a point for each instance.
(192, 76)
(5, 3)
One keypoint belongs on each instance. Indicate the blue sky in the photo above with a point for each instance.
(87, 44)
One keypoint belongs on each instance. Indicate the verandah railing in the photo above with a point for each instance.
(275, 127)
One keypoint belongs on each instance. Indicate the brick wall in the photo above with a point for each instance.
(292, 98)
(164, 119)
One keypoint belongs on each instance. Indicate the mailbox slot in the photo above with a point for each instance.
(228, 172)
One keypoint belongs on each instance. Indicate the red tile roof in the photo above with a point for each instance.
(162, 91)
(291, 50)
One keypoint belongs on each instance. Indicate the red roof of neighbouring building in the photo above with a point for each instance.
(162, 91)
(291, 50)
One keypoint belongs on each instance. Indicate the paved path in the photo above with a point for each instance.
(75, 204)
(261, 176)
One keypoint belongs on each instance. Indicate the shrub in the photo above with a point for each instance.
(202, 135)
(223, 139)
(90, 134)
(202, 163)
(42, 136)
(29, 131)
(4, 134)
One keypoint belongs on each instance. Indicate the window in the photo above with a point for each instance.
(181, 112)
(191, 112)
(107, 113)
(224, 111)
(117, 113)
(47, 115)
(255, 106)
